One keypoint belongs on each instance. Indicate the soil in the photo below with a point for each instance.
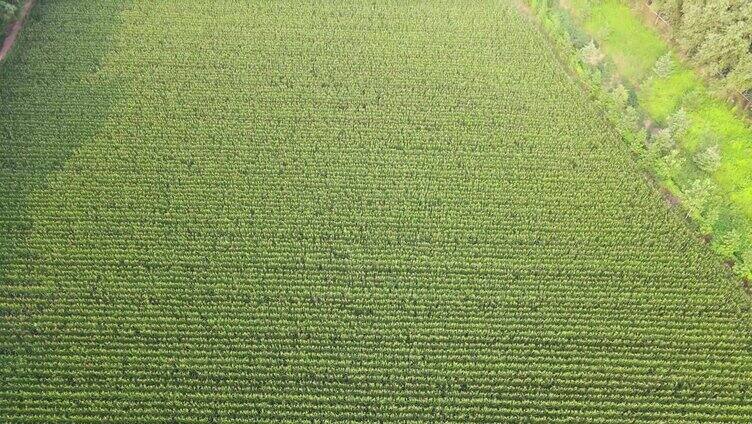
(669, 197)
(523, 7)
(14, 29)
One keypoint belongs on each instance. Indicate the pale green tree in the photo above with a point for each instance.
(664, 66)
(709, 158)
(590, 54)
(678, 123)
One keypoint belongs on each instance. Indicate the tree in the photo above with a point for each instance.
(668, 166)
(630, 118)
(661, 142)
(708, 159)
(740, 78)
(620, 95)
(693, 27)
(674, 162)
(678, 123)
(729, 243)
(699, 195)
(591, 54)
(717, 36)
(709, 218)
(664, 66)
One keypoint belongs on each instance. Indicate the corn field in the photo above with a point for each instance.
(326, 211)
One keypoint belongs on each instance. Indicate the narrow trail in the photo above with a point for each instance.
(15, 29)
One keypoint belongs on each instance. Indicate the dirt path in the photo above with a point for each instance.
(523, 7)
(14, 29)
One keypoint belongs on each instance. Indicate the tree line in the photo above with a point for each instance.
(715, 35)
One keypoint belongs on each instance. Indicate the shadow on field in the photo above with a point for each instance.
(51, 102)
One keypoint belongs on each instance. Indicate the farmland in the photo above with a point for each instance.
(384, 211)
(718, 194)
